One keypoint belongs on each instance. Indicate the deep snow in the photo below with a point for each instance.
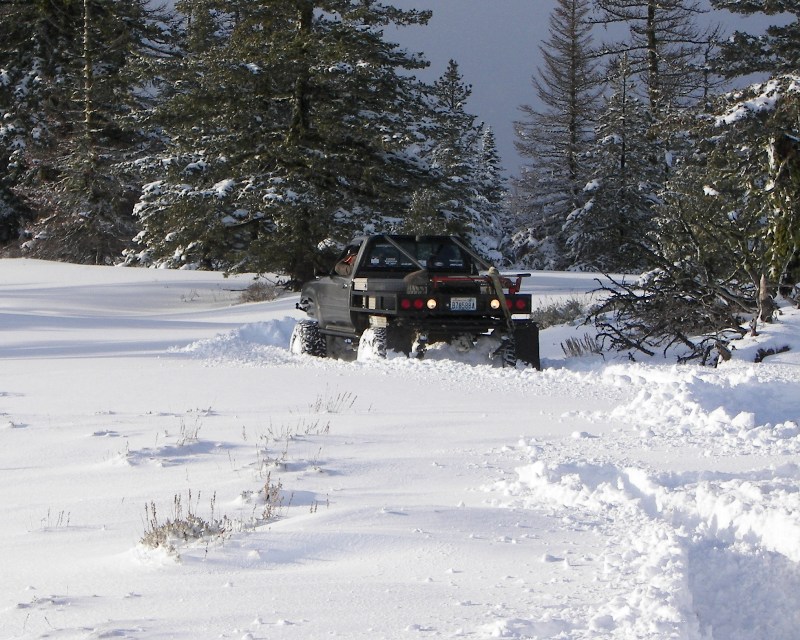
(436, 498)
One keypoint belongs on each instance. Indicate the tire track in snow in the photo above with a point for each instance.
(689, 555)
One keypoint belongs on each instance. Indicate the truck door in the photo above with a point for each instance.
(334, 292)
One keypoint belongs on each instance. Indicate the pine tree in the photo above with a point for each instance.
(556, 137)
(214, 105)
(728, 226)
(776, 51)
(303, 120)
(16, 84)
(749, 172)
(32, 95)
(666, 48)
(66, 102)
(441, 206)
(466, 195)
(609, 233)
(665, 61)
(490, 200)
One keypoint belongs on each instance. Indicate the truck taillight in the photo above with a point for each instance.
(516, 304)
(414, 303)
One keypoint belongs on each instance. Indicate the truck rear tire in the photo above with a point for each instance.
(307, 339)
(399, 339)
(372, 344)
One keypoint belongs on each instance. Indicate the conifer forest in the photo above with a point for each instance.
(259, 136)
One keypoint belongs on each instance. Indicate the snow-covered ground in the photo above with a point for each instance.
(412, 499)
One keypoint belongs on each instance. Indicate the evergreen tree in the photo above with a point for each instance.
(556, 138)
(490, 200)
(441, 205)
(16, 83)
(665, 61)
(455, 145)
(666, 48)
(776, 51)
(64, 100)
(729, 226)
(466, 195)
(303, 123)
(217, 79)
(31, 96)
(609, 232)
(746, 181)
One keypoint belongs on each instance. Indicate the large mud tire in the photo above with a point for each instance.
(372, 345)
(506, 354)
(307, 339)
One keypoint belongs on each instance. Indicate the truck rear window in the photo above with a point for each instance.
(434, 255)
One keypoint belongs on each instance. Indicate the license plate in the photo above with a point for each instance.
(462, 304)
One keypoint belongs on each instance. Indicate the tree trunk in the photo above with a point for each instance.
(301, 103)
(766, 305)
(654, 79)
(88, 83)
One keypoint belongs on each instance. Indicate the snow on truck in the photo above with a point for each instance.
(404, 292)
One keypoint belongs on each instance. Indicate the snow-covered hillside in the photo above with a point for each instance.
(413, 499)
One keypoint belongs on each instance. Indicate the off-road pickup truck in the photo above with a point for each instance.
(403, 292)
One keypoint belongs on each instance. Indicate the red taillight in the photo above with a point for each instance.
(516, 304)
(407, 304)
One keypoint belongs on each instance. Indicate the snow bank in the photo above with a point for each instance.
(742, 409)
(251, 344)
